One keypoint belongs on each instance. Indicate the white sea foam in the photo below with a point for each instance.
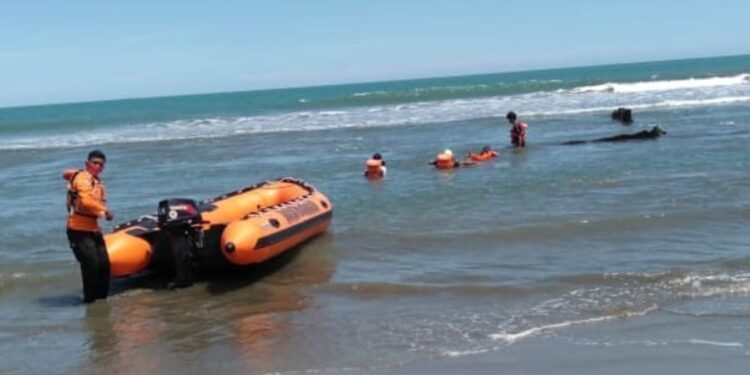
(514, 337)
(679, 84)
(369, 93)
(565, 103)
(462, 353)
(716, 343)
(705, 286)
(654, 343)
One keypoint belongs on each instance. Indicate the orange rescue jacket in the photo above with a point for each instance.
(483, 156)
(86, 200)
(374, 168)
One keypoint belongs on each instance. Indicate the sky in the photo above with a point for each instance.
(69, 51)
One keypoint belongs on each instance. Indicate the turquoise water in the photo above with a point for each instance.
(422, 265)
(330, 107)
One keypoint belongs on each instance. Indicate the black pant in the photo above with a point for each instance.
(91, 253)
(181, 244)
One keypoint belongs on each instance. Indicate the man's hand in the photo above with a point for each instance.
(108, 215)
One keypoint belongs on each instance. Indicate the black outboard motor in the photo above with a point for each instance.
(179, 220)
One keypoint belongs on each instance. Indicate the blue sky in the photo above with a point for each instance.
(66, 51)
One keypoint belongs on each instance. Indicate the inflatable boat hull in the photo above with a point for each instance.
(247, 226)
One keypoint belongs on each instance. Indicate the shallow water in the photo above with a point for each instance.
(424, 264)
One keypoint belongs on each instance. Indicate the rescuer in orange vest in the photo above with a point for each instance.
(86, 202)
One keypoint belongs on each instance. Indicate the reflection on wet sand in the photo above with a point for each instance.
(240, 321)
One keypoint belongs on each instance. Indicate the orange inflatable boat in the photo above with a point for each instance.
(247, 226)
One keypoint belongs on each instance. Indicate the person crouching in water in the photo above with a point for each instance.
(86, 202)
(487, 153)
(517, 130)
(375, 167)
(445, 160)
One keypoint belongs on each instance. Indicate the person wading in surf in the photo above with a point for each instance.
(517, 130)
(375, 167)
(86, 202)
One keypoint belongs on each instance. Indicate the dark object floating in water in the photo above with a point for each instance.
(624, 115)
(654, 133)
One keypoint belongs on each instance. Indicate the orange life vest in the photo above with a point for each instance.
(86, 200)
(374, 168)
(483, 156)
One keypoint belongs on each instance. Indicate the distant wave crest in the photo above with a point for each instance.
(657, 95)
(648, 86)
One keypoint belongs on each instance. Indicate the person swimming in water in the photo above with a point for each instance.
(375, 167)
(485, 154)
(445, 160)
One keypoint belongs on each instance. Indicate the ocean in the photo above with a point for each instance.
(634, 250)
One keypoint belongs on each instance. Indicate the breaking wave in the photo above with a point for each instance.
(655, 95)
(679, 84)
